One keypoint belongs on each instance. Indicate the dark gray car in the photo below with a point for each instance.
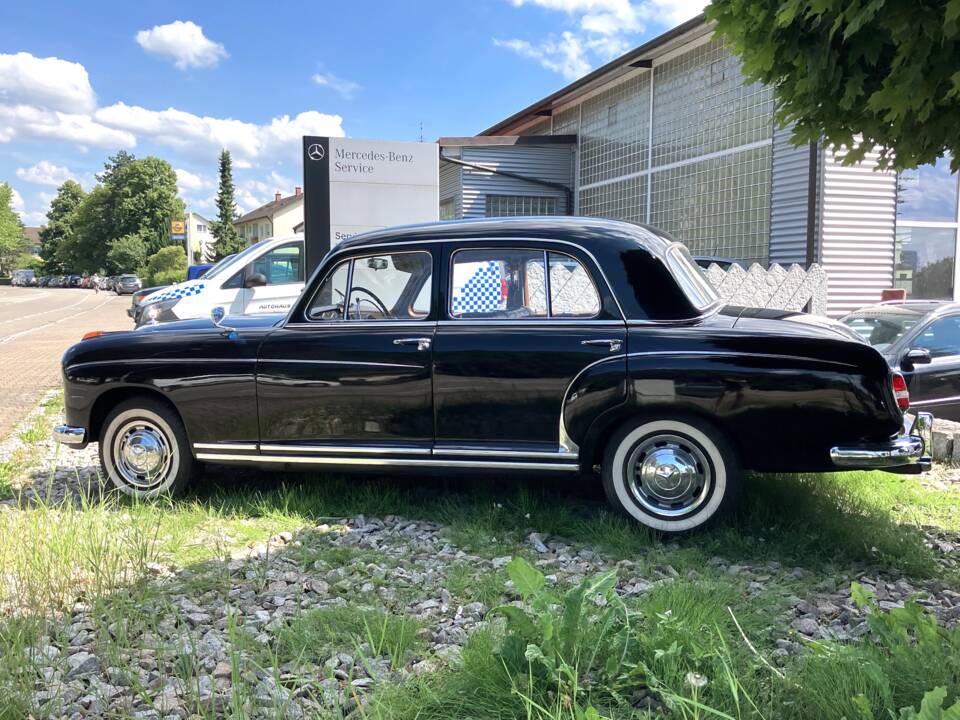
(127, 284)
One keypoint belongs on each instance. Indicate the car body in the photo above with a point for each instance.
(265, 277)
(127, 284)
(527, 345)
(197, 271)
(921, 340)
(23, 278)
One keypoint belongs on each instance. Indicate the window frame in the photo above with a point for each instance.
(545, 254)
(345, 320)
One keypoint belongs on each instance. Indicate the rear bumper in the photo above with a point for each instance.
(907, 453)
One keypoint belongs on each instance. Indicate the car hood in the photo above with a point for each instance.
(789, 322)
(175, 292)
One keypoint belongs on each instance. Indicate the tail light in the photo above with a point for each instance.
(900, 391)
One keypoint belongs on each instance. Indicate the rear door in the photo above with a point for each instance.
(520, 323)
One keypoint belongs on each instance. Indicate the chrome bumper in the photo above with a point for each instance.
(907, 453)
(70, 435)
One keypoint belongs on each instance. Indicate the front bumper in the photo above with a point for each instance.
(910, 452)
(70, 435)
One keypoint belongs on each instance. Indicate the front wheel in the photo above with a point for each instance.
(144, 450)
(671, 475)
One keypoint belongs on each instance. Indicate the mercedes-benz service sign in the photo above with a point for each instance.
(351, 186)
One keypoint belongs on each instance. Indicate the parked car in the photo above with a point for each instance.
(921, 340)
(521, 345)
(23, 278)
(127, 284)
(197, 271)
(266, 277)
(136, 299)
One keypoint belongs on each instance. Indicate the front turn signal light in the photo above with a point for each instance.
(91, 334)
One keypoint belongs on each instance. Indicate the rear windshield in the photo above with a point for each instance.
(689, 276)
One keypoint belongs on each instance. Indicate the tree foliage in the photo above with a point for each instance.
(11, 231)
(865, 74)
(58, 233)
(126, 254)
(167, 266)
(227, 237)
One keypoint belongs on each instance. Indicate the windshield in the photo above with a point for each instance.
(210, 272)
(223, 268)
(695, 286)
(882, 327)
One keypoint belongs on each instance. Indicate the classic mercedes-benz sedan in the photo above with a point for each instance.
(526, 345)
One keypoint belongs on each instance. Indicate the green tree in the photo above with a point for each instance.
(126, 254)
(227, 237)
(88, 246)
(59, 229)
(867, 74)
(11, 231)
(167, 266)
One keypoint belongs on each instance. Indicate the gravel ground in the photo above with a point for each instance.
(400, 565)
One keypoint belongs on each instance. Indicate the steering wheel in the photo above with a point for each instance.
(373, 300)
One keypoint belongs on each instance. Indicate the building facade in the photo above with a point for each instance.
(200, 240)
(672, 135)
(275, 219)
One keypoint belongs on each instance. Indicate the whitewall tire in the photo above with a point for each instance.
(671, 475)
(144, 450)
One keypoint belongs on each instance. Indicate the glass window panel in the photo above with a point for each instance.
(928, 193)
(327, 304)
(941, 338)
(282, 265)
(924, 262)
(387, 287)
(572, 292)
(516, 205)
(498, 283)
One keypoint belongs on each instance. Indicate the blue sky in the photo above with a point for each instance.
(79, 81)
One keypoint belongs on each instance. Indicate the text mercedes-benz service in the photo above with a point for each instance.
(353, 185)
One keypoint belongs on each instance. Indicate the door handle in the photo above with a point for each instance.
(421, 343)
(614, 343)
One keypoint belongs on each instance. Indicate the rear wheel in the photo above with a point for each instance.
(671, 475)
(144, 450)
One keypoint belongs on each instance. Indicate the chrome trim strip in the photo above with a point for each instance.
(294, 361)
(566, 443)
(921, 403)
(160, 361)
(225, 446)
(558, 454)
(733, 353)
(293, 459)
(69, 435)
(373, 450)
(363, 324)
(559, 322)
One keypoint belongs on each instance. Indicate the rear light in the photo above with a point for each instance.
(900, 391)
(92, 334)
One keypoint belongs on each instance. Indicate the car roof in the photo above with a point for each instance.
(919, 308)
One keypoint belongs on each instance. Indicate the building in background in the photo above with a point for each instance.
(275, 219)
(200, 240)
(672, 135)
(31, 241)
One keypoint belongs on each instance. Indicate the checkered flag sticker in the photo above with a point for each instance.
(483, 292)
(180, 292)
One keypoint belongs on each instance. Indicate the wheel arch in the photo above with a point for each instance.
(114, 396)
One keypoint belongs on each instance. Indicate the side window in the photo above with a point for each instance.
(391, 287)
(941, 338)
(572, 292)
(328, 304)
(499, 284)
(282, 265)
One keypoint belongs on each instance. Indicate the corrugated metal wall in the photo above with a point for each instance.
(858, 223)
(789, 200)
(553, 163)
(450, 186)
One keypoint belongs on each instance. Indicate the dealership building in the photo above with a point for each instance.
(672, 135)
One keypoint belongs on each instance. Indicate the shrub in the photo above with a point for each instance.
(167, 266)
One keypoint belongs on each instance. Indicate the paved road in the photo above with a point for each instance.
(36, 326)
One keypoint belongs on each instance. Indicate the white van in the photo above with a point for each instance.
(265, 278)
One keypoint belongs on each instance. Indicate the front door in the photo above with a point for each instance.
(282, 270)
(519, 326)
(935, 387)
(352, 376)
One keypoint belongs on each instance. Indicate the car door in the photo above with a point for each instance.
(351, 375)
(274, 279)
(935, 387)
(520, 323)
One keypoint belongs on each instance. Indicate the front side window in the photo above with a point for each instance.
(941, 338)
(282, 265)
(381, 287)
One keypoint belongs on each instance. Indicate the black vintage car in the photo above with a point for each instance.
(541, 345)
(921, 339)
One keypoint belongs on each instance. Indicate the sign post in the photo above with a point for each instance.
(178, 233)
(351, 186)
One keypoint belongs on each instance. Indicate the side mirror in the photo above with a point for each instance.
(255, 280)
(915, 356)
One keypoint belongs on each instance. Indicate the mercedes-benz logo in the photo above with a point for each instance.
(315, 152)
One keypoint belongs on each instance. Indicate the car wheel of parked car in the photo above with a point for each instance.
(144, 449)
(671, 475)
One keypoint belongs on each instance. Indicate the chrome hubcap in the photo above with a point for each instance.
(669, 475)
(142, 455)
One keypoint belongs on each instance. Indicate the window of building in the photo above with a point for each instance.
(448, 209)
(201, 227)
(515, 205)
(928, 221)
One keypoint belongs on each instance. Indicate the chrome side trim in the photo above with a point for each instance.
(366, 325)
(298, 460)
(558, 454)
(533, 322)
(69, 435)
(921, 403)
(225, 446)
(733, 353)
(161, 361)
(294, 361)
(913, 448)
(567, 445)
(373, 450)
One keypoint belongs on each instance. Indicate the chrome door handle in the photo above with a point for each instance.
(614, 344)
(421, 343)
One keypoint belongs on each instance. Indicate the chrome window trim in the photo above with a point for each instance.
(397, 462)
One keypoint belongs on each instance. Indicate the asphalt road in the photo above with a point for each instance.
(36, 326)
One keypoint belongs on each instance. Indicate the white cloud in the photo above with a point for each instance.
(27, 218)
(49, 83)
(183, 42)
(45, 173)
(51, 125)
(344, 88)
(189, 183)
(602, 27)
